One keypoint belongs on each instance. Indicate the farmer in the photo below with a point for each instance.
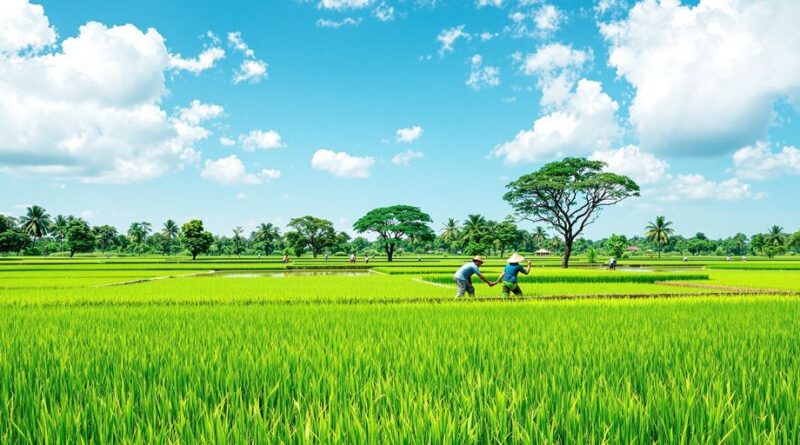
(464, 275)
(612, 263)
(352, 258)
(509, 275)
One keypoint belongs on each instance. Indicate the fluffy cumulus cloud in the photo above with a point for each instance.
(384, 12)
(482, 76)
(697, 187)
(91, 110)
(409, 134)
(342, 164)
(583, 122)
(644, 168)
(547, 19)
(759, 162)
(231, 171)
(448, 37)
(25, 26)
(406, 157)
(495, 3)
(202, 62)
(251, 69)
(558, 68)
(259, 139)
(706, 77)
(344, 4)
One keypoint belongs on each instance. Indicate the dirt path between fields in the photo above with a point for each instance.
(145, 280)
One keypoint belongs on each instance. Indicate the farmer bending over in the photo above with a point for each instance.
(509, 275)
(464, 275)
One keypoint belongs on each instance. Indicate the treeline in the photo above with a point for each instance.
(399, 230)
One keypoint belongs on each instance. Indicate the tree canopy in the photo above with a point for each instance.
(396, 223)
(315, 233)
(567, 195)
(195, 239)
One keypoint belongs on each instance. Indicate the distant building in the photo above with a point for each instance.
(542, 252)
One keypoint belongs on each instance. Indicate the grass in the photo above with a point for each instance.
(370, 359)
(666, 371)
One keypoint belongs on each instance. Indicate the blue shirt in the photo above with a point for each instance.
(466, 271)
(511, 271)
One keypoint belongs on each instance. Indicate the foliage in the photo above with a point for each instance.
(312, 232)
(13, 240)
(80, 237)
(396, 223)
(36, 222)
(616, 245)
(659, 231)
(195, 239)
(567, 195)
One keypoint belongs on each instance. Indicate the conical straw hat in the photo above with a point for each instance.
(516, 258)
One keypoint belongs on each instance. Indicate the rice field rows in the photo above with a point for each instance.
(258, 352)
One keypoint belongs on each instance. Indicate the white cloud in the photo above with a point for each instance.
(91, 110)
(384, 12)
(409, 135)
(448, 37)
(406, 157)
(231, 171)
(697, 187)
(250, 71)
(644, 168)
(226, 141)
(482, 76)
(256, 139)
(584, 122)
(24, 26)
(758, 162)
(548, 19)
(344, 4)
(325, 23)
(342, 164)
(496, 3)
(558, 67)
(236, 42)
(199, 112)
(486, 36)
(202, 62)
(707, 76)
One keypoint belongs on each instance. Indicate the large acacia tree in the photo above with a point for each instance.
(395, 223)
(567, 195)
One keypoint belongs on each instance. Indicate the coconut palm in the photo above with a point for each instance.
(138, 231)
(658, 232)
(450, 231)
(539, 236)
(473, 229)
(59, 228)
(170, 231)
(267, 234)
(36, 222)
(775, 237)
(237, 240)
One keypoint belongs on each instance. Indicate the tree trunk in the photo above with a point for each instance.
(194, 255)
(389, 252)
(567, 253)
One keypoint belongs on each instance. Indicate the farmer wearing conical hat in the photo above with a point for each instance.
(509, 276)
(464, 275)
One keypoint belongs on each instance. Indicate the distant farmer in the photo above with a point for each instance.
(326, 257)
(612, 263)
(366, 259)
(352, 258)
(464, 275)
(509, 275)
(285, 259)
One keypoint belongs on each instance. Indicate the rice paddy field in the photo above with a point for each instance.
(249, 350)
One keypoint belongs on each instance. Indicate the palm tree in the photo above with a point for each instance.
(237, 240)
(775, 237)
(170, 232)
(36, 222)
(267, 233)
(59, 228)
(539, 236)
(658, 232)
(450, 231)
(473, 229)
(138, 231)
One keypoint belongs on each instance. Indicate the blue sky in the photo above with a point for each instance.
(261, 111)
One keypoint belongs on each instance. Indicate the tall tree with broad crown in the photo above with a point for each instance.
(395, 223)
(567, 195)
